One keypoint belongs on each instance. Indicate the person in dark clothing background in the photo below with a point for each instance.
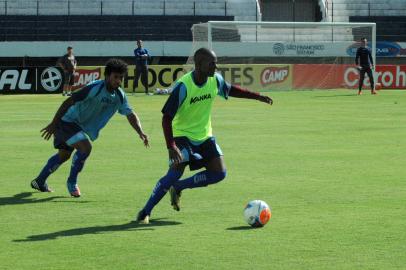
(365, 64)
(141, 67)
(68, 63)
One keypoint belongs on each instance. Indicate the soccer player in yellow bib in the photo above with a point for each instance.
(186, 123)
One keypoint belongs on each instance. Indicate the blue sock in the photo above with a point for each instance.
(52, 165)
(78, 162)
(161, 188)
(200, 179)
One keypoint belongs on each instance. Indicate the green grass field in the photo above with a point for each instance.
(332, 165)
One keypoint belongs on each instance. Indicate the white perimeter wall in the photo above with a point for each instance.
(178, 48)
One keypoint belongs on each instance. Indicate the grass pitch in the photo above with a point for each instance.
(330, 164)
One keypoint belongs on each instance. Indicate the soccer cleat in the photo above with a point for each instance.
(43, 188)
(175, 198)
(73, 189)
(373, 92)
(359, 92)
(142, 217)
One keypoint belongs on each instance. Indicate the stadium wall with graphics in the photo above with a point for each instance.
(256, 77)
(31, 80)
(325, 76)
(263, 77)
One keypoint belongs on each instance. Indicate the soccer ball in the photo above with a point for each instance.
(257, 213)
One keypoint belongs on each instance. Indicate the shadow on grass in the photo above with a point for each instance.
(24, 197)
(332, 96)
(131, 226)
(242, 228)
(70, 200)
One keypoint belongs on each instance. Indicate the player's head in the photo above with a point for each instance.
(139, 43)
(69, 50)
(364, 42)
(205, 62)
(114, 73)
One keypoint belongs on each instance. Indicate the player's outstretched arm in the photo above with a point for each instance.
(136, 124)
(238, 92)
(49, 130)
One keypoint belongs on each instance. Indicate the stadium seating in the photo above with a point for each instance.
(242, 10)
(342, 10)
(99, 28)
(389, 16)
(80, 20)
(388, 28)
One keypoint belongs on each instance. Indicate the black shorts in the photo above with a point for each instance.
(197, 156)
(69, 78)
(65, 131)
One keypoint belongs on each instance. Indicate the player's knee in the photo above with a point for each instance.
(86, 149)
(216, 177)
(64, 155)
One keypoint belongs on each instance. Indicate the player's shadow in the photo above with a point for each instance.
(338, 95)
(242, 228)
(131, 226)
(25, 197)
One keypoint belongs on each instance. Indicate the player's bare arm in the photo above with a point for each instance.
(173, 151)
(136, 124)
(265, 99)
(238, 92)
(49, 130)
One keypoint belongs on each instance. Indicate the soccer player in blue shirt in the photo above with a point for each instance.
(141, 67)
(80, 118)
(187, 129)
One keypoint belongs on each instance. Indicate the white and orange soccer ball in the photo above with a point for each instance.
(257, 213)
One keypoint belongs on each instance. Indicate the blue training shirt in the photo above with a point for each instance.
(179, 93)
(138, 60)
(94, 106)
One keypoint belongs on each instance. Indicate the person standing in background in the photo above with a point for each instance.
(68, 64)
(365, 64)
(141, 67)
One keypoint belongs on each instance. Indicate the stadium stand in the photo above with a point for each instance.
(388, 28)
(153, 20)
(242, 10)
(293, 11)
(100, 28)
(389, 16)
(342, 10)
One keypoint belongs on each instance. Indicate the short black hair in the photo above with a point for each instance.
(115, 65)
(69, 48)
(200, 54)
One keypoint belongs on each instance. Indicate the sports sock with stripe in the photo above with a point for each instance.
(52, 165)
(200, 179)
(161, 188)
(78, 162)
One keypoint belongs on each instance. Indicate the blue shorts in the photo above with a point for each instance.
(197, 155)
(66, 134)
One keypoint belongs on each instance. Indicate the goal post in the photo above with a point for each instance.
(310, 44)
